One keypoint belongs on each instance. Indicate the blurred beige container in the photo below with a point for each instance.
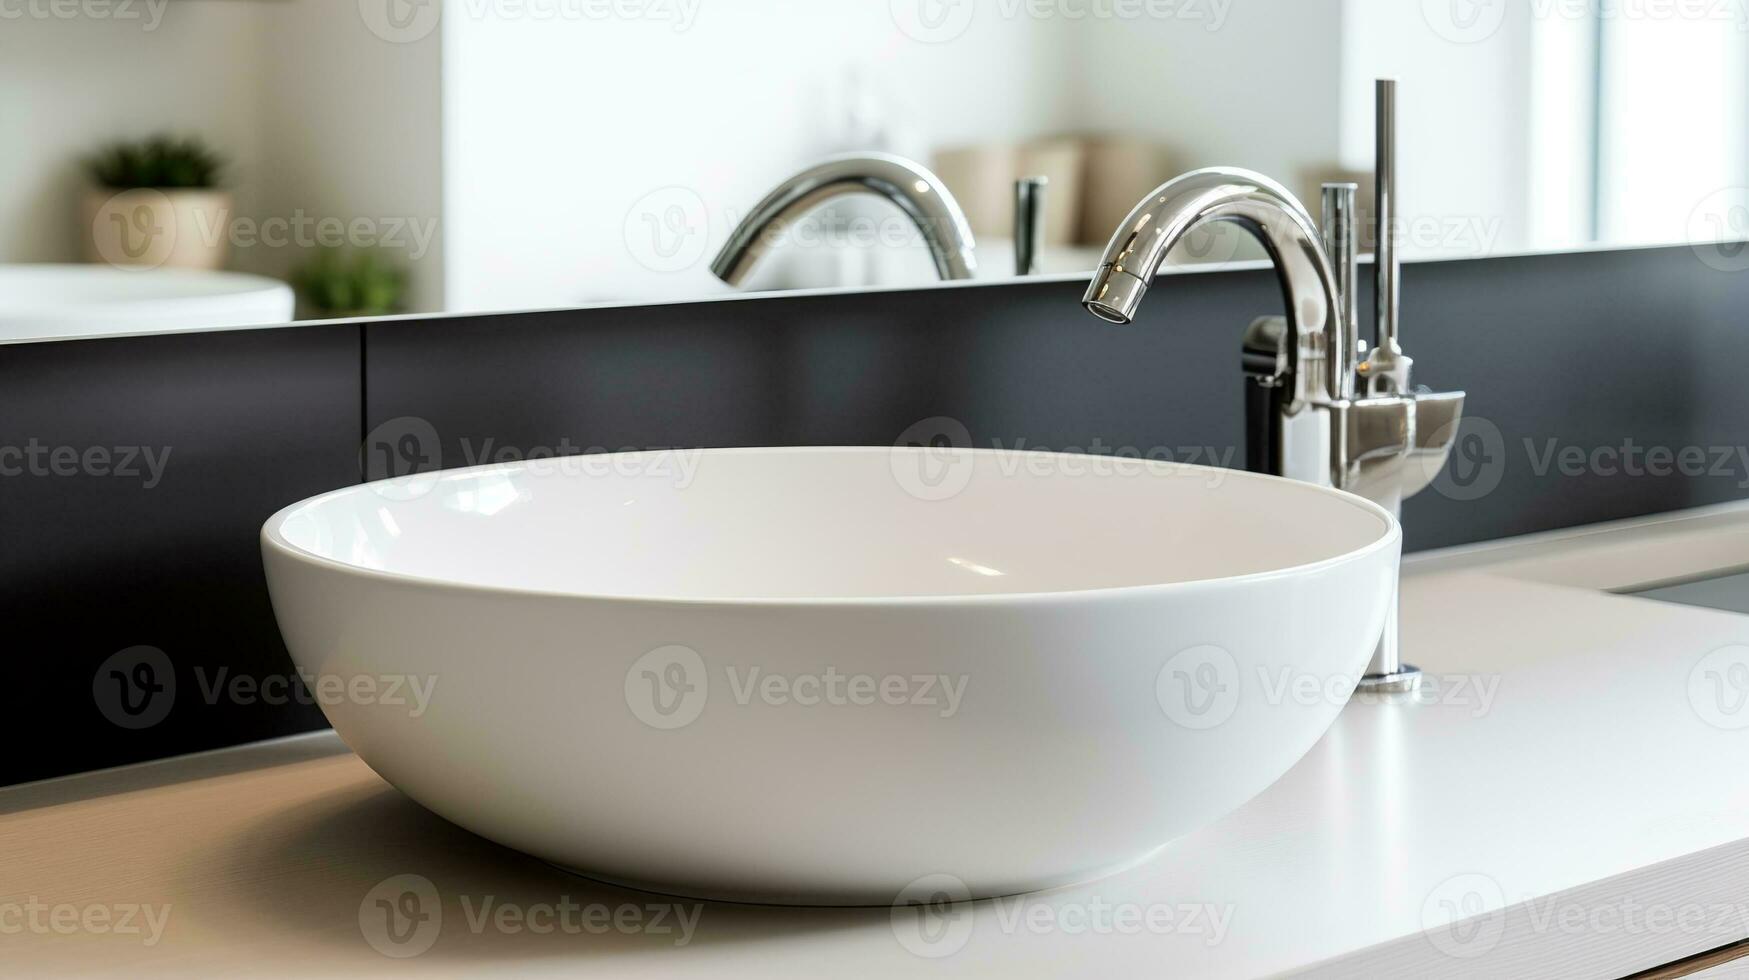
(1063, 162)
(982, 180)
(1118, 171)
(150, 228)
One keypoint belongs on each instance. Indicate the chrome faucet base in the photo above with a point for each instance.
(1406, 678)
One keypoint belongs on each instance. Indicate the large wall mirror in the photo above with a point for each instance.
(418, 156)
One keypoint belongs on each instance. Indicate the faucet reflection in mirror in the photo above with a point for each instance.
(909, 185)
(1306, 415)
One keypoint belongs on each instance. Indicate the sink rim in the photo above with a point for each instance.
(272, 537)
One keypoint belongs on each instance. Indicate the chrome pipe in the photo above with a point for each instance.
(1344, 252)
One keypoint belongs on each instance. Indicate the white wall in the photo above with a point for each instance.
(1463, 118)
(1257, 88)
(1250, 85)
(352, 129)
(1672, 146)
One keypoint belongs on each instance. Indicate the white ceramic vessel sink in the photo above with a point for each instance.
(820, 675)
(51, 301)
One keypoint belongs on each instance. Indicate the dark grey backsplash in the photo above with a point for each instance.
(1602, 385)
(1570, 361)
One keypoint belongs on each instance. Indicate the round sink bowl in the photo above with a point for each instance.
(40, 302)
(822, 676)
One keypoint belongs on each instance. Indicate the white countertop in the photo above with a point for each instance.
(1573, 783)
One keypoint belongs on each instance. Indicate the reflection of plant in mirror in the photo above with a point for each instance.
(159, 161)
(336, 282)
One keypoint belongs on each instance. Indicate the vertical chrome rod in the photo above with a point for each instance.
(1340, 243)
(1386, 369)
(1385, 258)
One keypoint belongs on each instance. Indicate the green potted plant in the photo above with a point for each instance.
(157, 202)
(359, 282)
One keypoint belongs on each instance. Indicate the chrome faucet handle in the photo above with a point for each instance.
(1029, 223)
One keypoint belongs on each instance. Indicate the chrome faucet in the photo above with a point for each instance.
(908, 184)
(1307, 416)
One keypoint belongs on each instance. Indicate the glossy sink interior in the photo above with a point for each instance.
(821, 675)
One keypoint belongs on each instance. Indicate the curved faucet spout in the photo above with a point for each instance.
(1316, 349)
(906, 183)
